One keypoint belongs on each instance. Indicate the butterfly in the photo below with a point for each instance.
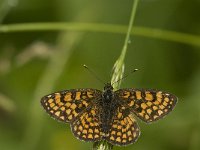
(109, 115)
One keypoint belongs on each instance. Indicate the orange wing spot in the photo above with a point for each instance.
(86, 125)
(78, 96)
(96, 136)
(119, 127)
(144, 106)
(114, 126)
(129, 133)
(90, 131)
(90, 136)
(146, 117)
(91, 124)
(57, 100)
(159, 100)
(130, 138)
(149, 103)
(89, 119)
(123, 141)
(52, 105)
(50, 100)
(156, 103)
(90, 94)
(93, 112)
(55, 107)
(74, 113)
(70, 117)
(68, 104)
(118, 139)
(123, 130)
(165, 103)
(149, 96)
(57, 97)
(60, 104)
(155, 116)
(68, 111)
(84, 131)
(160, 112)
(62, 117)
(96, 130)
(112, 138)
(62, 108)
(149, 111)
(126, 94)
(119, 133)
(57, 113)
(113, 132)
(122, 122)
(161, 107)
(119, 115)
(85, 103)
(73, 106)
(142, 113)
(131, 103)
(166, 99)
(80, 128)
(138, 95)
(95, 123)
(155, 107)
(68, 97)
(124, 136)
(159, 94)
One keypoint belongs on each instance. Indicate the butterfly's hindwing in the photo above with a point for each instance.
(87, 126)
(124, 129)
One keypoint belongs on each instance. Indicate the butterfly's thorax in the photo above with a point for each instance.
(108, 106)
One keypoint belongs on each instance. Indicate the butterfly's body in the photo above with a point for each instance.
(108, 106)
(96, 115)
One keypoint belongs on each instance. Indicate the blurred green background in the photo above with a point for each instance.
(36, 63)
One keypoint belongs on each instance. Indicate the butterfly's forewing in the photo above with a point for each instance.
(67, 105)
(149, 105)
(124, 129)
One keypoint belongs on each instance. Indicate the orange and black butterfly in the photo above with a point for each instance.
(96, 115)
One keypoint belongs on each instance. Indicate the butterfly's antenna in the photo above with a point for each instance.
(94, 74)
(125, 76)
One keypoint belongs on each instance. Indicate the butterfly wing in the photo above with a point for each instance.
(149, 105)
(124, 129)
(67, 105)
(87, 126)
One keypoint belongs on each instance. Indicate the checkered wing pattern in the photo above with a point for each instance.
(149, 105)
(87, 126)
(67, 105)
(124, 129)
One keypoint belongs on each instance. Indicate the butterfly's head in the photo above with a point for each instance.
(108, 92)
(108, 87)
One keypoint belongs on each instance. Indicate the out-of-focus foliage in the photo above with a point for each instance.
(33, 64)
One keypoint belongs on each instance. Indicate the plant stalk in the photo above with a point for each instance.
(118, 71)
